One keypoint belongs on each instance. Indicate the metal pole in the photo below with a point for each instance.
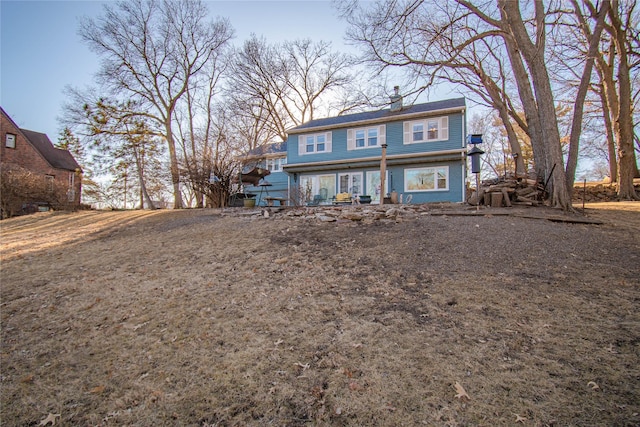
(383, 172)
(584, 194)
(477, 192)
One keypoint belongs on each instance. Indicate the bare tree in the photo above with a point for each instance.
(150, 51)
(439, 42)
(196, 126)
(496, 50)
(592, 38)
(283, 85)
(123, 139)
(67, 140)
(622, 23)
(604, 51)
(498, 157)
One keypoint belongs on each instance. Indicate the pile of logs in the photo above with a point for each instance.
(508, 192)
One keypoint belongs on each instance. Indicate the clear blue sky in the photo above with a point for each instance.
(41, 52)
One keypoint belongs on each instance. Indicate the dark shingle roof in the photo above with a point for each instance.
(338, 121)
(58, 158)
(277, 148)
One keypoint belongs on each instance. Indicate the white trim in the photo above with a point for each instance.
(464, 140)
(442, 130)
(389, 157)
(464, 181)
(375, 198)
(352, 139)
(315, 179)
(435, 179)
(275, 164)
(382, 135)
(302, 143)
(350, 176)
(10, 140)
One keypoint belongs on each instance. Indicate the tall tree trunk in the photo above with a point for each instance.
(534, 129)
(514, 144)
(144, 194)
(608, 127)
(624, 120)
(175, 171)
(503, 111)
(533, 54)
(578, 106)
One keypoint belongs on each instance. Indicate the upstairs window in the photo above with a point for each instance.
(418, 131)
(365, 137)
(275, 165)
(314, 143)
(432, 129)
(426, 130)
(372, 137)
(10, 141)
(360, 139)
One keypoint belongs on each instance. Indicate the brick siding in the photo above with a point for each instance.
(27, 156)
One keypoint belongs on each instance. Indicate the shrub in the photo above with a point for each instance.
(22, 192)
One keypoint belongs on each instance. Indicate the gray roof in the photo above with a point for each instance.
(275, 148)
(58, 158)
(338, 121)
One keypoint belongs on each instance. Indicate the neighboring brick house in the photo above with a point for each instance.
(35, 152)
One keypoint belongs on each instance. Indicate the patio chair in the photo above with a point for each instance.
(317, 199)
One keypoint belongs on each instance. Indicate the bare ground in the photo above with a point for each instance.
(202, 318)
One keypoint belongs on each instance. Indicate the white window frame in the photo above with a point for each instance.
(351, 177)
(442, 130)
(302, 143)
(373, 185)
(315, 184)
(434, 170)
(352, 137)
(10, 140)
(275, 164)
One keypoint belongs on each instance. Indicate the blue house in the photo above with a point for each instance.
(425, 157)
(271, 157)
(327, 159)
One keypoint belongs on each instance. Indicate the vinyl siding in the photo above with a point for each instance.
(445, 154)
(396, 182)
(453, 194)
(279, 187)
(394, 137)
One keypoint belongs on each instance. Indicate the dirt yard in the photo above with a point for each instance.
(211, 318)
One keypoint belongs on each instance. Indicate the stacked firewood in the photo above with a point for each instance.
(508, 191)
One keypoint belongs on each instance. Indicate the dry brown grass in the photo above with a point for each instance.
(198, 318)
